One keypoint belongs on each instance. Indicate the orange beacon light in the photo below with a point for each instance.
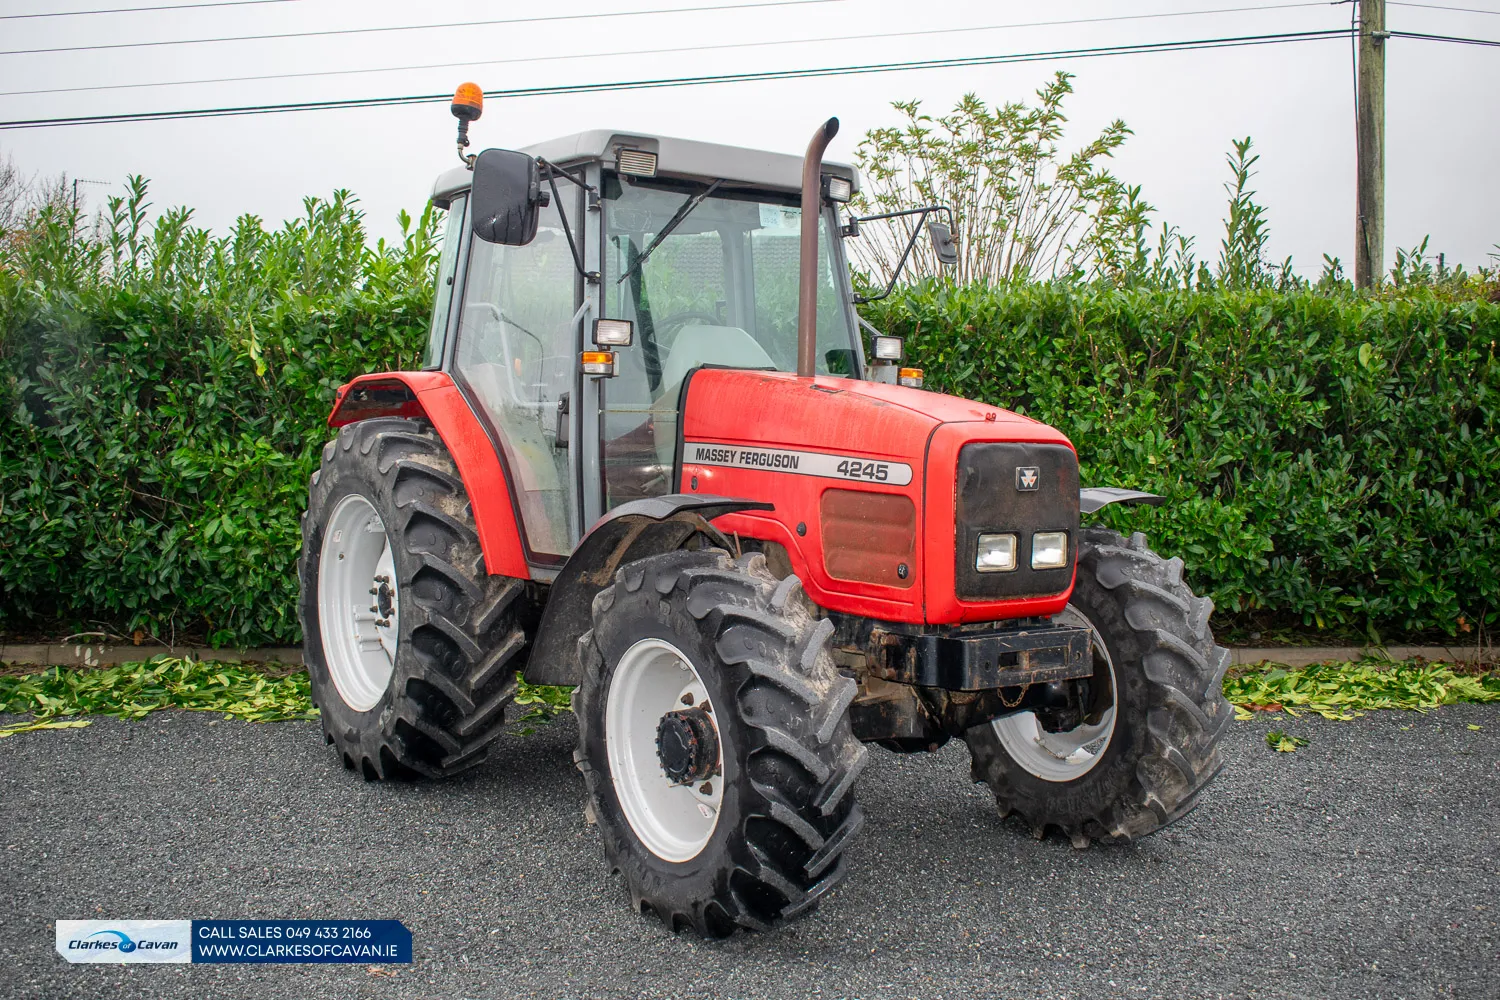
(467, 106)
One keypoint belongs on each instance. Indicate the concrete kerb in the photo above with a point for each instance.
(82, 655)
(98, 655)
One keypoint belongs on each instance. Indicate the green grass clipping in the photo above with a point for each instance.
(1344, 691)
(133, 690)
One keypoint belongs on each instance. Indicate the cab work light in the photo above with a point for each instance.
(599, 363)
(839, 189)
(910, 377)
(888, 348)
(613, 332)
(636, 162)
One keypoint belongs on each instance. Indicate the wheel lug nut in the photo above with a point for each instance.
(687, 699)
(706, 789)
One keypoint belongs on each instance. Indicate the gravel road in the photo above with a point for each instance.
(1362, 866)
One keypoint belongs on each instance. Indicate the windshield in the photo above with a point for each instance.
(717, 286)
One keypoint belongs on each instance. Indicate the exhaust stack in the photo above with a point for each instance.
(812, 212)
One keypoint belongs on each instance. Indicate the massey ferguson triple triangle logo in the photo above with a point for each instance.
(1027, 476)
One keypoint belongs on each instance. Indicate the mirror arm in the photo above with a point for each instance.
(916, 231)
(592, 277)
(553, 170)
(923, 211)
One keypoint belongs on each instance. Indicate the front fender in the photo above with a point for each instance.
(434, 397)
(631, 531)
(1092, 498)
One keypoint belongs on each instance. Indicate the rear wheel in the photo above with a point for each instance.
(1148, 742)
(411, 647)
(715, 742)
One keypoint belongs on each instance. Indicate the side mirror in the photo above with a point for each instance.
(507, 197)
(942, 243)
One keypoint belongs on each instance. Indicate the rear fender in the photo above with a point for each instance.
(631, 531)
(433, 396)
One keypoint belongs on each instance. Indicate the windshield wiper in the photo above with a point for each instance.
(673, 223)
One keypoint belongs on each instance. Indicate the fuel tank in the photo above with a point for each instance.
(881, 492)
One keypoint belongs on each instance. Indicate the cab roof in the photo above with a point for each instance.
(681, 158)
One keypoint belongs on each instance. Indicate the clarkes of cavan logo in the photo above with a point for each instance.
(1027, 478)
(112, 940)
(124, 940)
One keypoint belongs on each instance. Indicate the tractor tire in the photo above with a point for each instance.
(413, 652)
(1160, 674)
(767, 842)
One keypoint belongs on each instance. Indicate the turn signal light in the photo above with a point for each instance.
(599, 363)
(910, 377)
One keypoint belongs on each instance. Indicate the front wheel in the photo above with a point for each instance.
(411, 646)
(715, 742)
(1148, 741)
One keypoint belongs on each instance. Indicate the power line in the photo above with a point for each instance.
(1148, 48)
(1433, 6)
(413, 27)
(133, 10)
(648, 52)
(1445, 38)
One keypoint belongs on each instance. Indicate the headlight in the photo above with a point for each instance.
(997, 554)
(1049, 550)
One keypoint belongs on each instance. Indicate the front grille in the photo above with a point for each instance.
(990, 499)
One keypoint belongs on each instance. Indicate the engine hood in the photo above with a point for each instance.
(834, 456)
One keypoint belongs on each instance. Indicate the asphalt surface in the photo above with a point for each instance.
(1364, 865)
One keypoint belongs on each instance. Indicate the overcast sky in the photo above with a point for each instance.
(1295, 99)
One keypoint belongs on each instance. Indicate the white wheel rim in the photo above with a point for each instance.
(673, 821)
(1069, 755)
(358, 606)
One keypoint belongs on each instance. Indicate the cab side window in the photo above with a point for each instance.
(442, 298)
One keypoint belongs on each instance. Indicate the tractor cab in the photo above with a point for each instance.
(651, 258)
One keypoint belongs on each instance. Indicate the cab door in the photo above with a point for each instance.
(516, 358)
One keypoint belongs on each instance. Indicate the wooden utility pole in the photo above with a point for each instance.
(1369, 221)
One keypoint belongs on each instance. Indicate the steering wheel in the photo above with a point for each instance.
(667, 329)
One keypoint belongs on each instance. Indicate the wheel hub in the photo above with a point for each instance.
(385, 597)
(687, 746)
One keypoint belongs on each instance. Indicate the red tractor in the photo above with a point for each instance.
(648, 454)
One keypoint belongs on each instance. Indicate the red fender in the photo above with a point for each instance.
(432, 395)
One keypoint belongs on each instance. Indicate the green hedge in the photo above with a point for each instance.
(1331, 459)
(158, 424)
